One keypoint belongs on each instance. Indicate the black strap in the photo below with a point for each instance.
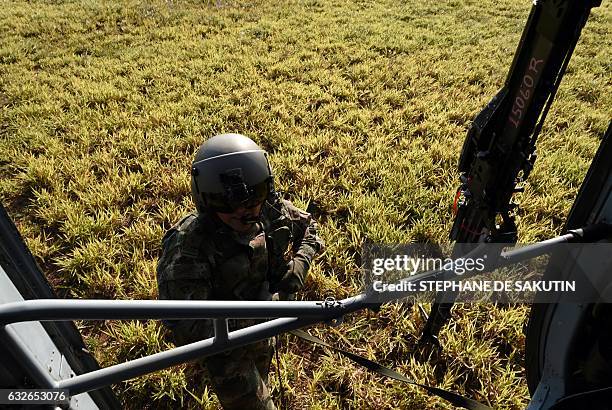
(453, 398)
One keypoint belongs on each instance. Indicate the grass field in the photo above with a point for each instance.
(363, 105)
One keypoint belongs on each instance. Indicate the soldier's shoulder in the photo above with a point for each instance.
(193, 224)
(293, 212)
(278, 209)
(187, 235)
(185, 224)
(189, 223)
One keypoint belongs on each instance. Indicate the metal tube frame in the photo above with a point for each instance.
(289, 316)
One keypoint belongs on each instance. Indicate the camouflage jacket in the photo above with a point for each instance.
(203, 259)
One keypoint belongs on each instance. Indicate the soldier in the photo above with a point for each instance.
(244, 243)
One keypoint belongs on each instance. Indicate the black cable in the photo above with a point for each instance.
(453, 398)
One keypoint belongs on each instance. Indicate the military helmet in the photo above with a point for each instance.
(230, 171)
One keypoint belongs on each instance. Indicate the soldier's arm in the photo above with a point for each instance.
(182, 274)
(306, 245)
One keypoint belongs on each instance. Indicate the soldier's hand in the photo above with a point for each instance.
(264, 292)
(292, 280)
(285, 296)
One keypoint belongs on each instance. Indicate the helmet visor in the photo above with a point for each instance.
(240, 197)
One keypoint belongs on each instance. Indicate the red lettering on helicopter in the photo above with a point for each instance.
(525, 92)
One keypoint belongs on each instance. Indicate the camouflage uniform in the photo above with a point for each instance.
(205, 259)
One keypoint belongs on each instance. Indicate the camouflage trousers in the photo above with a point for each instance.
(240, 377)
